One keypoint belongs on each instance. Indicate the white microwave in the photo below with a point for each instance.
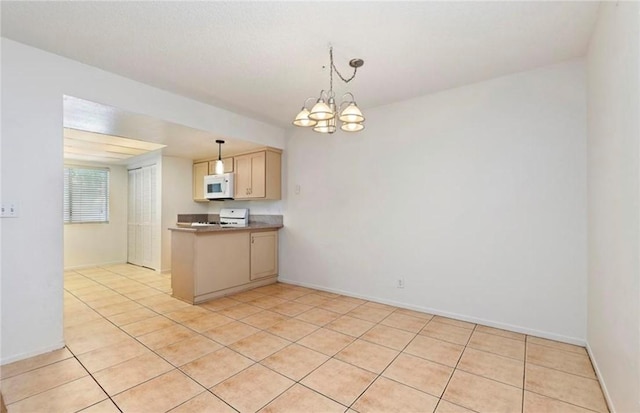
(218, 186)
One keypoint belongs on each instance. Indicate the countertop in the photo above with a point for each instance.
(186, 227)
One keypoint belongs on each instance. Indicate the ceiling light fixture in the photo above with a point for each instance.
(322, 116)
(219, 165)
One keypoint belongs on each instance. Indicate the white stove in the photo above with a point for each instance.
(204, 224)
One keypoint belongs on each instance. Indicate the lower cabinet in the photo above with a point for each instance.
(206, 265)
(222, 262)
(264, 254)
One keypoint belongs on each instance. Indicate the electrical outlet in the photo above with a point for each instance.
(400, 283)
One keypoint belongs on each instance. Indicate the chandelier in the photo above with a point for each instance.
(322, 115)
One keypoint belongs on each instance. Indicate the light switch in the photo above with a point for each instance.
(297, 189)
(9, 210)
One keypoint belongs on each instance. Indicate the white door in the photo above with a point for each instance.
(132, 226)
(143, 217)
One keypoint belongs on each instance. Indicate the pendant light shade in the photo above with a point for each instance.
(352, 127)
(351, 114)
(302, 118)
(325, 126)
(321, 111)
(219, 168)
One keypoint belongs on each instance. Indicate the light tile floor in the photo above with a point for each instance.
(131, 347)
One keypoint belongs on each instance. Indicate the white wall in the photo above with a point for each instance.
(177, 198)
(255, 207)
(613, 332)
(475, 196)
(33, 84)
(100, 244)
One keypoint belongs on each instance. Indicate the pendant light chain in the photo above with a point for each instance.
(333, 66)
(331, 69)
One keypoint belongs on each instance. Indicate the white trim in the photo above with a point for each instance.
(529, 331)
(605, 391)
(22, 356)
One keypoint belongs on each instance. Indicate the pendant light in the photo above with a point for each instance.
(219, 170)
(322, 115)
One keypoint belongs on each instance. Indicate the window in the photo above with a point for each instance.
(86, 194)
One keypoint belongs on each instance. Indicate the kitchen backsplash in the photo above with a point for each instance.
(263, 219)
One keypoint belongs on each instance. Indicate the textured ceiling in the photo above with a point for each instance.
(262, 59)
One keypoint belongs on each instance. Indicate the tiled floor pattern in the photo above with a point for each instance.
(282, 348)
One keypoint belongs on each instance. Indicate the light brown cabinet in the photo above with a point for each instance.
(228, 166)
(258, 175)
(264, 254)
(200, 170)
(210, 264)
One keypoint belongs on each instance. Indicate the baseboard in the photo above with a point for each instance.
(84, 266)
(435, 311)
(22, 356)
(605, 391)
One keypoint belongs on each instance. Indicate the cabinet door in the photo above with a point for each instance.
(258, 177)
(243, 176)
(200, 170)
(264, 254)
(250, 175)
(228, 166)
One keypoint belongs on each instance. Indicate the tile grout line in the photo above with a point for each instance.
(96, 381)
(456, 368)
(390, 363)
(563, 401)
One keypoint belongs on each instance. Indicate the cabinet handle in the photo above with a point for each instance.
(252, 239)
(250, 191)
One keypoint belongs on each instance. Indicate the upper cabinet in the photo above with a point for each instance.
(228, 166)
(258, 175)
(200, 170)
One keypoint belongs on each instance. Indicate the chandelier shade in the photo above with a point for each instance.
(352, 127)
(325, 126)
(321, 111)
(351, 114)
(302, 118)
(323, 116)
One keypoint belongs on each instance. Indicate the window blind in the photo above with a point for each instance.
(86, 194)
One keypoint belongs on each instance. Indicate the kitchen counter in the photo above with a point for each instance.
(212, 261)
(253, 226)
